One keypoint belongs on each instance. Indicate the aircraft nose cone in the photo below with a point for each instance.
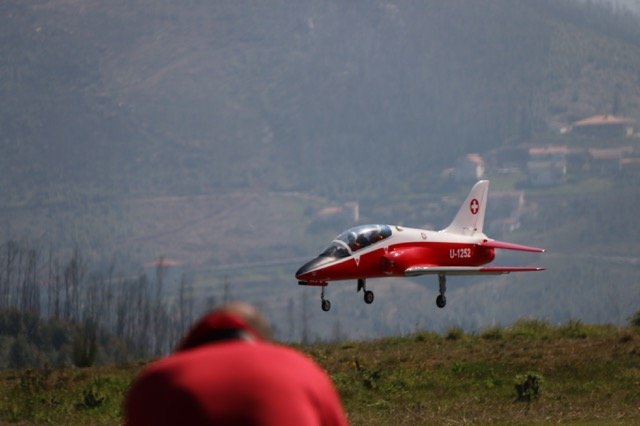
(306, 270)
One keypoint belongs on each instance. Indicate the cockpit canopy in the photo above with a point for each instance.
(355, 239)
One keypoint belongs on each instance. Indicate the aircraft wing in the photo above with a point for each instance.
(467, 270)
(509, 246)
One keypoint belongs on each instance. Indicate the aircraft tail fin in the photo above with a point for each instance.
(470, 217)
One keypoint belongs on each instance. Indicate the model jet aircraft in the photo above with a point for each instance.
(375, 251)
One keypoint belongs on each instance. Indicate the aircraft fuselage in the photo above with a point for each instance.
(395, 254)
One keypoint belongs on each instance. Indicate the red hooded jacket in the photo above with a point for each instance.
(224, 374)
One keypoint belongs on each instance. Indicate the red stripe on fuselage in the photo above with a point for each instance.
(398, 257)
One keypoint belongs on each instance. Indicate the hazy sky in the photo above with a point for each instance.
(630, 4)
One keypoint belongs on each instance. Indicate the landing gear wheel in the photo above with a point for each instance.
(326, 305)
(368, 297)
(442, 284)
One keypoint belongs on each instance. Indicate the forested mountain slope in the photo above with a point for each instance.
(189, 97)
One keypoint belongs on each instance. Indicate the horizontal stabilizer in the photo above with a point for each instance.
(509, 246)
(468, 270)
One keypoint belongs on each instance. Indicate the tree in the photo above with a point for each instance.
(10, 252)
(73, 276)
(185, 305)
(85, 344)
(22, 354)
(30, 298)
(159, 321)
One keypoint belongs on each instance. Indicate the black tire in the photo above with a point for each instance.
(326, 305)
(441, 301)
(368, 297)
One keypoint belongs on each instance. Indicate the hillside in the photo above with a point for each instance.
(146, 98)
(589, 375)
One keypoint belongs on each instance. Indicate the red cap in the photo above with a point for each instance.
(215, 326)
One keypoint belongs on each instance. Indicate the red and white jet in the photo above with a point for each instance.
(374, 251)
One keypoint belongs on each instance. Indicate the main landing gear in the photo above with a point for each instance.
(441, 301)
(368, 294)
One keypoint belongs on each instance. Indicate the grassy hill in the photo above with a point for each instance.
(588, 375)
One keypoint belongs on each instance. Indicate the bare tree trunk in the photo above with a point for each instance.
(17, 287)
(73, 275)
(159, 333)
(30, 297)
(12, 252)
(185, 305)
(143, 323)
(122, 310)
(106, 312)
(57, 286)
(50, 285)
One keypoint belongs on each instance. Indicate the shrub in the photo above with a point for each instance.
(493, 333)
(527, 386)
(92, 397)
(425, 336)
(531, 329)
(455, 333)
(574, 329)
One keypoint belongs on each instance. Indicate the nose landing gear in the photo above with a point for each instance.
(325, 303)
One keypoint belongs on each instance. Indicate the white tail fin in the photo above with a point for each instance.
(470, 217)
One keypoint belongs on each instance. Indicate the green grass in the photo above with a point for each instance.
(91, 396)
(589, 375)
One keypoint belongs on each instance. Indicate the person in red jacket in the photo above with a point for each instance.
(225, 372)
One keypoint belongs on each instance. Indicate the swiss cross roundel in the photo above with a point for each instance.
(474, 206)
